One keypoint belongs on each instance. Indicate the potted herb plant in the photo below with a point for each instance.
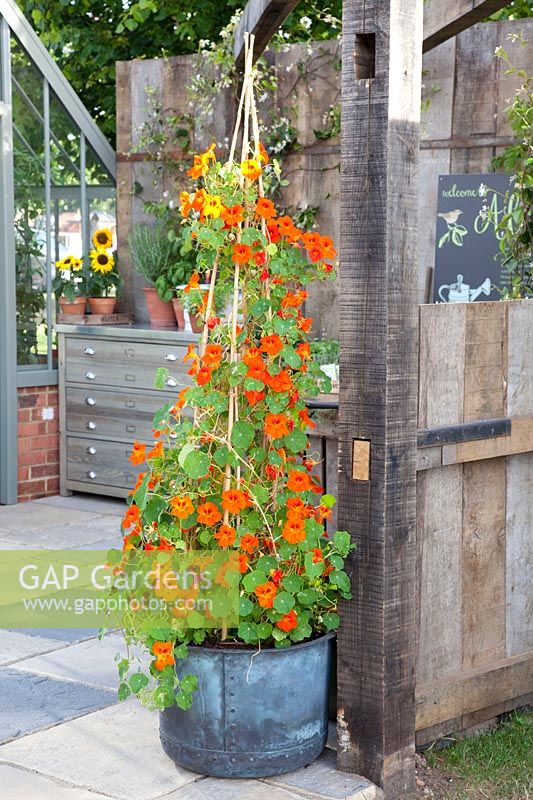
(155, 256)
(104, 281)
(70, 285)
(230, 475)
(175, 275)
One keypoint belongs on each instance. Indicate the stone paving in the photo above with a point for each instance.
(64, 736)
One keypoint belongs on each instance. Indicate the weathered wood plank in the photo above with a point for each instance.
(485, 360)
(439, 513)
(483, 562)
(438, 92)
(432, 164)
(472, 690)
(476, 81)
(519, 581)
(444, 20)
(441, 371)
(520, 359)
(378, 319)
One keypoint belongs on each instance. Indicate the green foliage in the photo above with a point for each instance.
(159, 258)
(518, 9)
(515, 228)
(88, 37)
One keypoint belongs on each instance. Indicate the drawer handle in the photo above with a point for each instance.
(90, 376)
(131, 428)
(130, 404)
(171, 382)
(129, 377)
(89, 351)
(91, 474)
(91, 425)
(90, 401)
(91, 450)
(171, 357)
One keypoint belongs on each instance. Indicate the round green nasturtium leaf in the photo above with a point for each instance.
(283, 602)
(196, 464)
(242, 435)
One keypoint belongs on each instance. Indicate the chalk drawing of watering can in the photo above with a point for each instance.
(461, 292)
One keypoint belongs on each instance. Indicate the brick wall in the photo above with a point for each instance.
(38, 442)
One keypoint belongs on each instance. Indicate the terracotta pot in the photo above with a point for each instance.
(76, 307)
(161, 313)
(178, 312)
(196, 324)
(102, 305)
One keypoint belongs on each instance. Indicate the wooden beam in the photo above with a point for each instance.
(381, 89)
(441, 21)
(444, 20)
(262, 18)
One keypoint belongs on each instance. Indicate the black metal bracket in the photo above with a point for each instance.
(464, 432)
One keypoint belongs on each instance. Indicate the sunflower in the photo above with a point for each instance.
(102, 239)
(101, 261)
(76, 264)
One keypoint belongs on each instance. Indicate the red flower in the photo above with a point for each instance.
(315, 254)
(243, 563)
(289, 622)
(273, 232)
(254, 397)
(204, 376)
(260, 258)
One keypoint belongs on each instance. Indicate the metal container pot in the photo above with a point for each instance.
(254, 714)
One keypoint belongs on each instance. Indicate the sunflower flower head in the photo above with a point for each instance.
(102, 239)
(101, 261)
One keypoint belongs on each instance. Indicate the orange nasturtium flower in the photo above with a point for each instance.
(289, 622)
(243, 563)
(299, 481)
(233, 216)
(263, 155)
(164, 655)
(225, 536)
(294, 531)
(186, 201)
(208, 514)
(201, 163)
(212, 355)
(254, 397)
(265, 209)
(181, 507)
(276, 425)
(304, 416)
(251, 169)
(271, 345)
(249, 543)
(156, 451)
(280, 382)
(194, 283)
(315, 253)
(235, 501)
(138, 453)
(203, 376)
(318, 555)
(242, 253)
(265, 594)
(131, 517)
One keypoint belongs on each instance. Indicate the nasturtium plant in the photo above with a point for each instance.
(231, 469)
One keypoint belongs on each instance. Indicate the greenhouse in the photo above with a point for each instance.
(57, 181)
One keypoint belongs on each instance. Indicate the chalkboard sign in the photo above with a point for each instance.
(468, 210)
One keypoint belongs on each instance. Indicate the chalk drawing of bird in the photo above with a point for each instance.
(451, 217)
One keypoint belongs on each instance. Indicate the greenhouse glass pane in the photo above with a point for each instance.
(30, 217)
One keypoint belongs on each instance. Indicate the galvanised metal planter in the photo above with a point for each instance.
(253, 715)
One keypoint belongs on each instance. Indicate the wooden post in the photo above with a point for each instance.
(381, 85)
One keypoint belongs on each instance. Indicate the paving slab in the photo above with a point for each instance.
(322, 780)
(32, 702)
(87, 502)
(20, 784)
(226, 789)
(35, 516)
(91, 662)
(17, 645)
(60, 536)
(115, 751)
(61, 635)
